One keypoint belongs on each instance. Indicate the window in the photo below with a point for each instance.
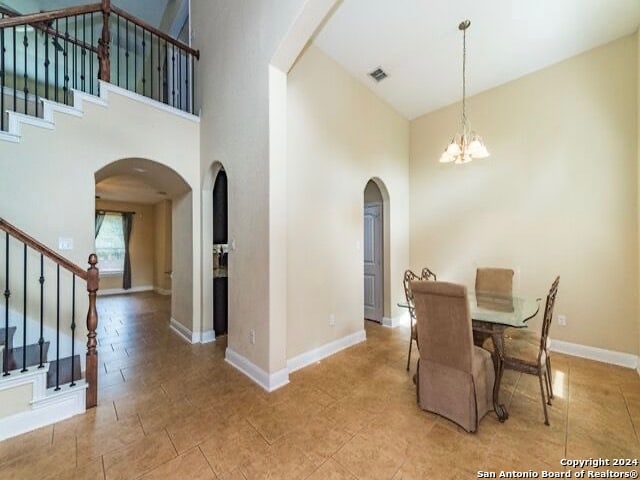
(110, 244)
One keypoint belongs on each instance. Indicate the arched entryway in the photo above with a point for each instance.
(144, 224)
(375, 250)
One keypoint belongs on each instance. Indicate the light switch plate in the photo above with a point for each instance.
(65, 243)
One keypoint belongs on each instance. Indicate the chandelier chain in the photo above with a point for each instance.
(464, 81)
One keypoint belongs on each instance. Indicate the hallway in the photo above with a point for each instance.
(168, 409)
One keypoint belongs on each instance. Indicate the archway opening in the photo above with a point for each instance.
(376, 252)
(143, 237)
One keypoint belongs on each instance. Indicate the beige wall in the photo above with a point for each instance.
(638, 163)
(141, 245)
(558, 196)
(340, 135)
(162, 236)
(237, 41)
(59, 165)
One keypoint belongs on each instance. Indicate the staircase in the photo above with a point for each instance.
(42, 375)
(48, 55)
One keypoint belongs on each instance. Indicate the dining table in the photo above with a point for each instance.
(491, 314)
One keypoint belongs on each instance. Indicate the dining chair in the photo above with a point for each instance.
(530, 353)
(410, 276)
(494, 281)
(455, 378)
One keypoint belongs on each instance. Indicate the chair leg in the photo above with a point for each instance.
(544, 403)
(547, 382)
(548, 364)
(409, 357)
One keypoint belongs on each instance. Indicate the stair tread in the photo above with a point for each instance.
(65, 371)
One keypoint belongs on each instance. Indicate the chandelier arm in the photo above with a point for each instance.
(464, 81)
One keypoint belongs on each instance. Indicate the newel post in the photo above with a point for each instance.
(104, 43)
(91, 373)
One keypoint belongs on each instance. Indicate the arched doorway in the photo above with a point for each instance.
(146, 209)
(375, 251)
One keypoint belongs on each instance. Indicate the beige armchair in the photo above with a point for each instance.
(455, 378)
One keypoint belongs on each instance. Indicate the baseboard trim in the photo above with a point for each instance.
(268, 381)
(208, 336)
(394, 322)
(122, 291)
(612, 357)
(181, 330)
(162, 291)
(331, 348)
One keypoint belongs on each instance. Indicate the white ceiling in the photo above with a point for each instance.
(138, 180)
(417, 42)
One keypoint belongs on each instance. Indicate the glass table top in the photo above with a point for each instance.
(510, 311)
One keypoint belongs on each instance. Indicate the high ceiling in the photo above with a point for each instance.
(417, 42)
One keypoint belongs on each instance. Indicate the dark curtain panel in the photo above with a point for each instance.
(99, 220)
(127, 223)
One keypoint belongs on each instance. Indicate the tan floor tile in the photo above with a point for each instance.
(282, 461)
(191, 431)
(273, 422)
(51, 460)
(331, 470)
(139, 457)
(364, 458)
(13, 447)
(89, 471)
(233, 443)
(191, 465)
(106, 438)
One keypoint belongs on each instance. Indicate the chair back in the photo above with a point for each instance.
(548, 316)
(428, 275)
(409, 277)
(444, 324)
(494, 281)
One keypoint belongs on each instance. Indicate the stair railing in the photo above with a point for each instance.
(48, 54)
(91, 276)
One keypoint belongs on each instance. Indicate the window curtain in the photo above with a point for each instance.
(99, 220)
(127, 224)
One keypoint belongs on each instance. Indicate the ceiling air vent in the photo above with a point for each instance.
(378, 74)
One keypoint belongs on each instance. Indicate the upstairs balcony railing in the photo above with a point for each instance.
(47, 55)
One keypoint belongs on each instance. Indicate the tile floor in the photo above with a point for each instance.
(172, 410)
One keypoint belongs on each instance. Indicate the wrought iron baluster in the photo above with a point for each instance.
(46, 65)
(15, 78)
(24, 312)
(73, 330)
(151, 63)
(193, 85)
(65, 57)
(118, 49)
(57, 328)
(91, 57)
(7, 294)
(173, 75)
(25, 75)
(75, 52)
(144, 69)
(159, 67)
(83, 53)
(55, 62)
(126, 52)
(2, 47)
(35, 64)
(135, 58)
(41, 339)
(179, 79)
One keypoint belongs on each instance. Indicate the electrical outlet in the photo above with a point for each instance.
(252, 336)
(65, 243)
(562, 320)
(332, 320)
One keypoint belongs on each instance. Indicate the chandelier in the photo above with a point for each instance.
(466, 144)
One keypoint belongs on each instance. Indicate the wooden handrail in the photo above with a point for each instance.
(36, 18)
(43, 249)
(155, 31)
(43, 27)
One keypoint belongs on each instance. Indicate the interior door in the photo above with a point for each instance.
(372, 248)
